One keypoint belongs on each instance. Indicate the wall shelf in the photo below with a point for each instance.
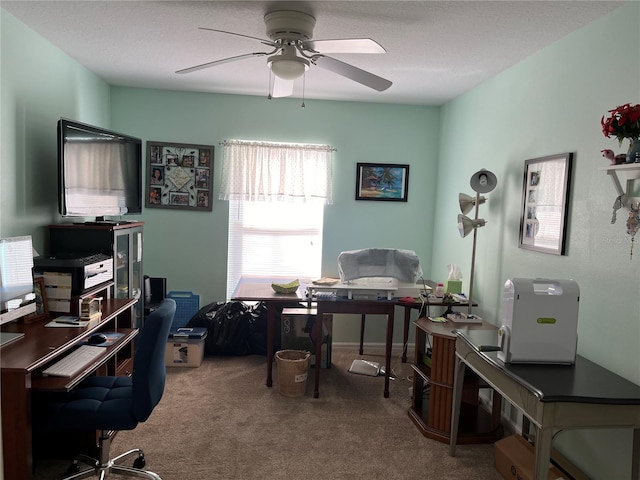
(629, 172)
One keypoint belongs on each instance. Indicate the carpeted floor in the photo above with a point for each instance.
(220, 421)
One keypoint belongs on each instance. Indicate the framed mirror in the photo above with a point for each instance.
(545, 203)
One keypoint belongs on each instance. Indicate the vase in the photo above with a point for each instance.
(633, 155)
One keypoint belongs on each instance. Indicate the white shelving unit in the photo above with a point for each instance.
(629, 173)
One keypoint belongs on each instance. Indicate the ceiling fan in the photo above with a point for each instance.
(294, 50)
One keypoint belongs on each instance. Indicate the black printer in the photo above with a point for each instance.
(86, 270)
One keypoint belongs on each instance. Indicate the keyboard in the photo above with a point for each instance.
(75, 361)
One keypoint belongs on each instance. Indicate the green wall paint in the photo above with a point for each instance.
(549, 103)
(39, 84)
(552, 103)
(189, 248)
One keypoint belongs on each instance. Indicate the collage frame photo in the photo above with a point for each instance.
(179, 176)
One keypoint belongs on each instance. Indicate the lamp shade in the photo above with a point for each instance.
(467, 202)
(467, 225)
(483, 181)
(288, 65)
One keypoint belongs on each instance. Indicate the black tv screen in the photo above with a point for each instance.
(100, 171)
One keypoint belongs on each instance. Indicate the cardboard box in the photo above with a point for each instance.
(514, 459)
(185, 347)
(296, 328)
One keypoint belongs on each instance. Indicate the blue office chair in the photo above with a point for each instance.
(110, 404)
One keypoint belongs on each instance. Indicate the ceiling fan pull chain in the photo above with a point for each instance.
(269, 96)
(304, 81)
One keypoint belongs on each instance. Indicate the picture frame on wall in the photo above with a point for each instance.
(382, 182)
(179, 176)
(545, 203)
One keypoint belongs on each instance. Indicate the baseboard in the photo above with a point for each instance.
(372, 348)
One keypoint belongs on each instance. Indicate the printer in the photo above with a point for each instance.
(539, 321)
(85, 270)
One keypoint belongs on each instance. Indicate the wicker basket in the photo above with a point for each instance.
(293, 369)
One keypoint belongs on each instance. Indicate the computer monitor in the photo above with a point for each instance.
(17, 295)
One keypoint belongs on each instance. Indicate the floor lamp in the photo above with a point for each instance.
(483, 181)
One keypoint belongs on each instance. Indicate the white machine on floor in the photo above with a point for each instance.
(539, 321)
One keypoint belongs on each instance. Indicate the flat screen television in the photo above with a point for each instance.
(99, 172)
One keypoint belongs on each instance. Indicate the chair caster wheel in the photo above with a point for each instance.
(139, 463)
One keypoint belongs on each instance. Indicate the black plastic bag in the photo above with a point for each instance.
(227, 325)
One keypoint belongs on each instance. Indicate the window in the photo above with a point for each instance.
(274, 238)
(276, 194)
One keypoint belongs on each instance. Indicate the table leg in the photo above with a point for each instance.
(271, 326)
(544, 437)
(388, 346)
(635, 455)
(362, 320)
(405, 337)
(458, 380)
(317, 333)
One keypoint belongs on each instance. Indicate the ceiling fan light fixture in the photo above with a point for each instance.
(288, 67)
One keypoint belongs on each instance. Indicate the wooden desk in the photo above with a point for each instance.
(363, 307)
(23, 361)
(258, 289)
(584, 395)
(423, 311)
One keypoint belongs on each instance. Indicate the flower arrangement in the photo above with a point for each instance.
(622, 122)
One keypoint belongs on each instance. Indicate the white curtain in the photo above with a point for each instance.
(267, 172)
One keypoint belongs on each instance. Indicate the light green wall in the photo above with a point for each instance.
(39, 84)
(552, 103)
(549, 103)
(189, 248)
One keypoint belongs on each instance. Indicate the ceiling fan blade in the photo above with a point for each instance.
(354, 73)
(220, 62)
(345, 45)
(281, 87)
(261, 40)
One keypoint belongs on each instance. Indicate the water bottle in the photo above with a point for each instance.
(440, 290)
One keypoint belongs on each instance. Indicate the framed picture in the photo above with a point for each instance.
(382, 181)
(545, 203)
(42, 307)
(179, 176)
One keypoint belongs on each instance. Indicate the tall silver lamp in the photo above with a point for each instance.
(483, 181)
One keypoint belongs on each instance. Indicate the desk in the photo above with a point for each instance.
(258, 289)
(363, 307)
(584, 395)
(423, 311)
(22, 363)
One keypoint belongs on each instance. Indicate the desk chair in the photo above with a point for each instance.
(110, 404)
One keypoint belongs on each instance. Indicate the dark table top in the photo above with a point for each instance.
(583, 382)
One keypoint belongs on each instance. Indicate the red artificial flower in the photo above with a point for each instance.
(623, 122)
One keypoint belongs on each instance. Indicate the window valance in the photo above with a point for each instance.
(266, 171)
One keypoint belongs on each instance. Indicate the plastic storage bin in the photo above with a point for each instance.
(187, 305)
(185, 347)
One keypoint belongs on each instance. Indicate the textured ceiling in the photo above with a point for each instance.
(436, 50)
